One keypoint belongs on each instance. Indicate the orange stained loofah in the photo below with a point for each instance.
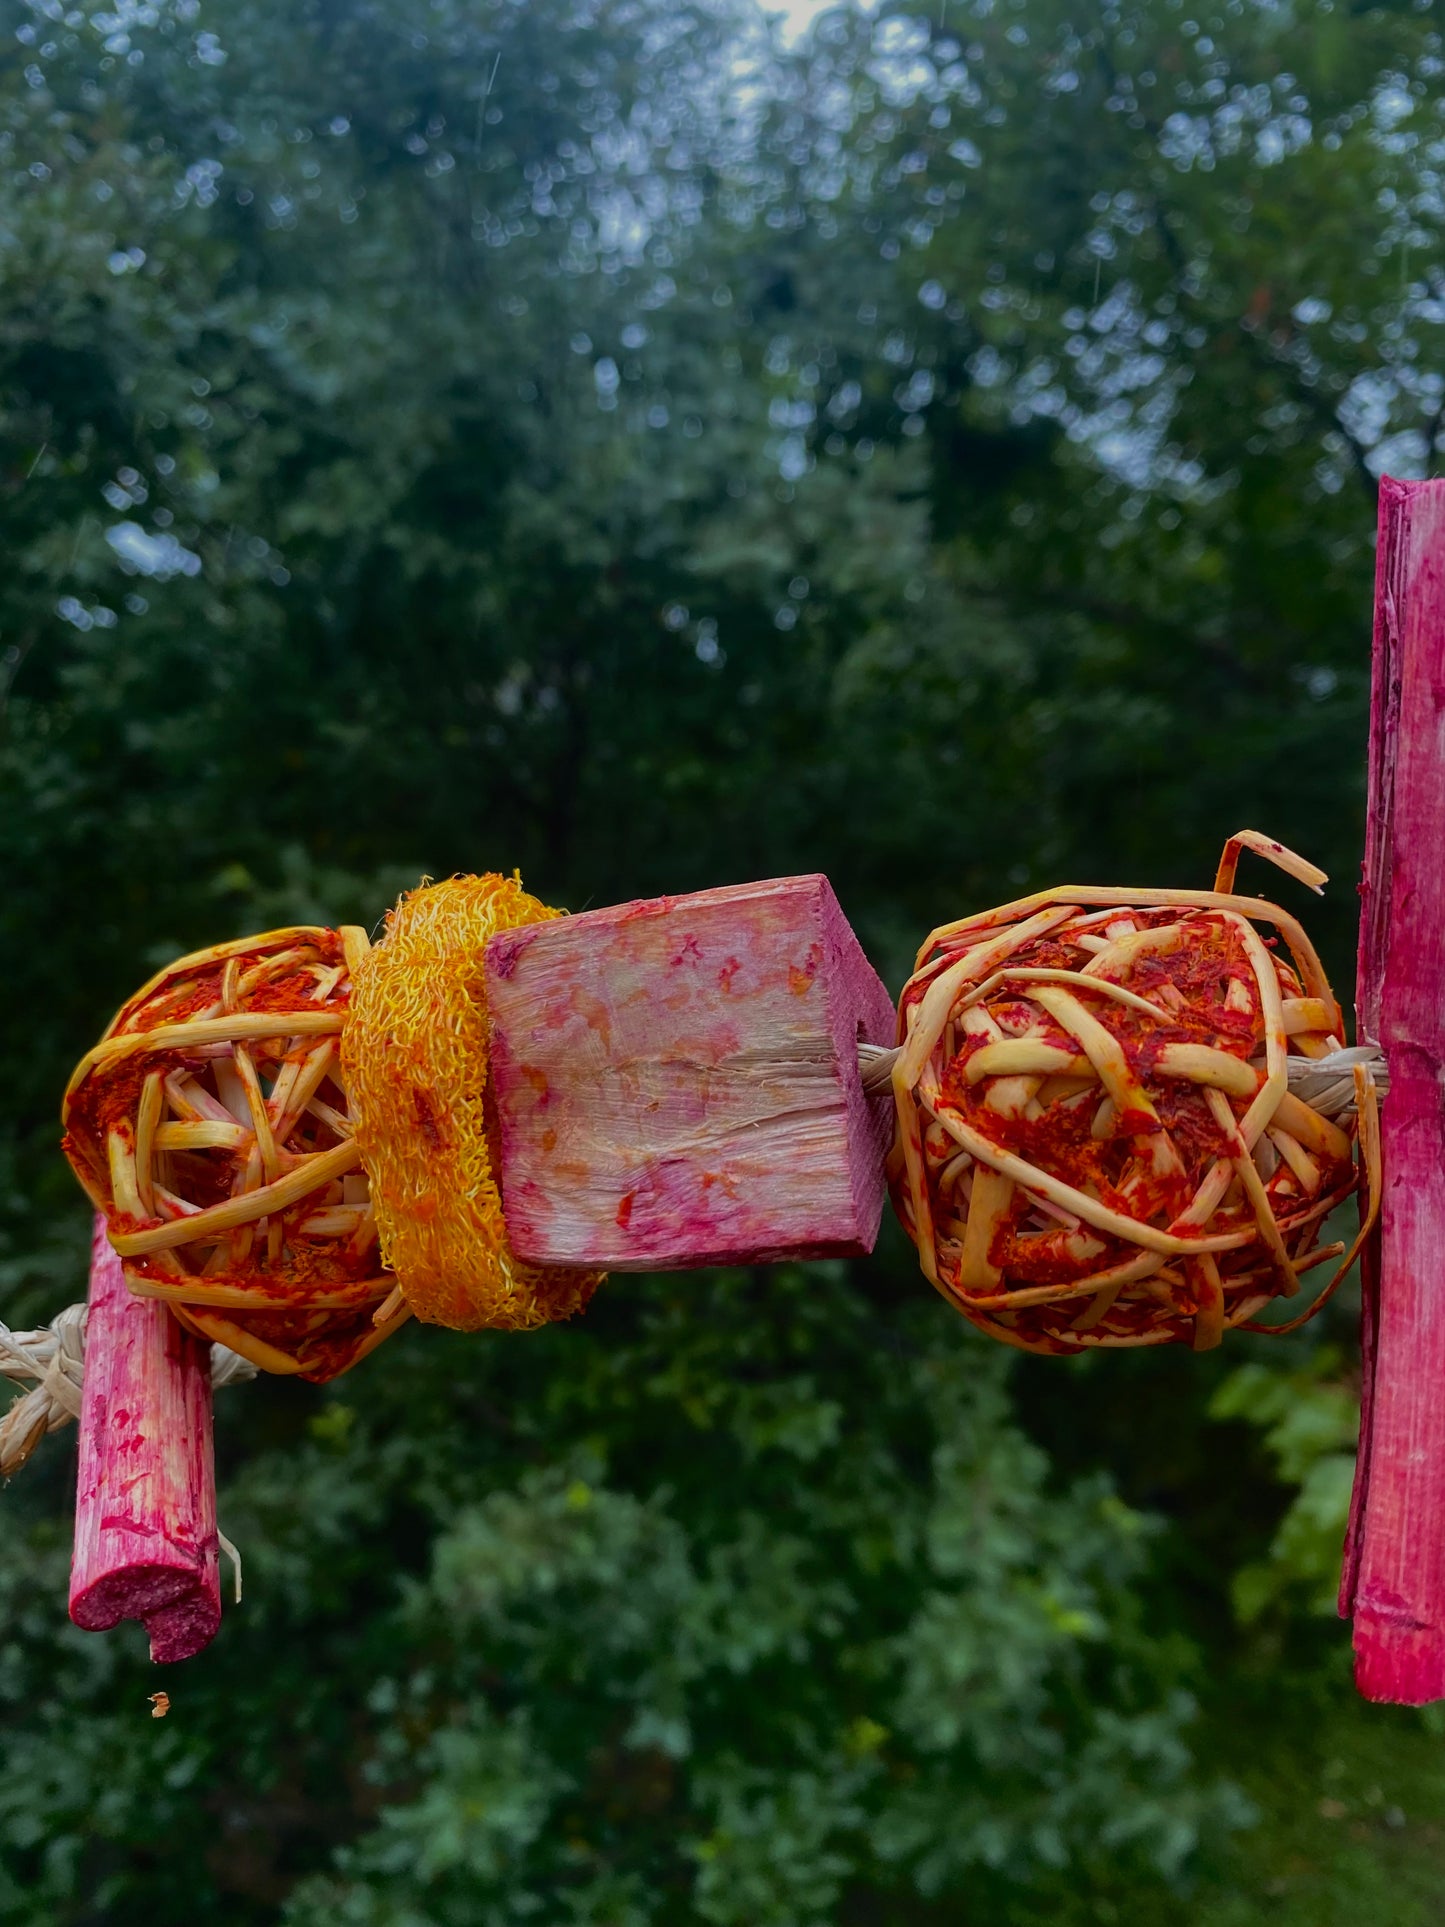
(415, 1057)
(1100, 1138)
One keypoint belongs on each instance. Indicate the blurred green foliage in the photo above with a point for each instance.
(1309, 1417)
(597, 436)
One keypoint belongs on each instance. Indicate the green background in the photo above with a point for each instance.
(600, 437)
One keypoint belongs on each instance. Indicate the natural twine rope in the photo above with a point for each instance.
(54, 1359)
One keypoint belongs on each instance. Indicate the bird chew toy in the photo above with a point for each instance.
(299, 1139)
(295, 1141)
(1107, 1117)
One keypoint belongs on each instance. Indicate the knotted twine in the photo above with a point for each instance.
(54, 1357)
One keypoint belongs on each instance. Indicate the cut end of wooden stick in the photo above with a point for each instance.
(1397, 1664)
(181, 1631)
(180, 1611)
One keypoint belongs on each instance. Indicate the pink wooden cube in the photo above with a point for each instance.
(677, 1081)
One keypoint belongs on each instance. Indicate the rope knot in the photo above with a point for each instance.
(52, 1362)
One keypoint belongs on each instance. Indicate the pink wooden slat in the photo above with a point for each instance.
(1394, 1580)
(677, 1081)
(145, 1512)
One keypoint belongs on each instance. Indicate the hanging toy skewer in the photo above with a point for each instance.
(1106, 1118)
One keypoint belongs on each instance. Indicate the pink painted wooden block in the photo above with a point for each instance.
(145, 1510)
(1394, 1579)
(677, 1081)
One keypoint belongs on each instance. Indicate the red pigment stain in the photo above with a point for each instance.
(729, 970)
(426, 1118)
(503, 954)
(800, 982)
(624, 1210)
(538, 1080)
(689, 953)
(549, 1139)
(724, 1178)
(123, 1522)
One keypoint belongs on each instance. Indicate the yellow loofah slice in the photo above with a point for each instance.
(414, 1053)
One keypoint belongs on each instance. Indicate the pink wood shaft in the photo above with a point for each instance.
(145, 1511)
(1369, 1319)
(677, 1081)
(1395, 1559)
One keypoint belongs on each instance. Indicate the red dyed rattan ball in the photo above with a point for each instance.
(212, 1126)
(1098, 1140)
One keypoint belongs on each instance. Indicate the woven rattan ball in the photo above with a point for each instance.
(1099, 1143)
(211, 1126)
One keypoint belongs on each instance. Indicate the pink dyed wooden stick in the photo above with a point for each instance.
(145, 1510)
(1394, 1578)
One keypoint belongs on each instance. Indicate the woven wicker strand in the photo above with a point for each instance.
(1103, 1136)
